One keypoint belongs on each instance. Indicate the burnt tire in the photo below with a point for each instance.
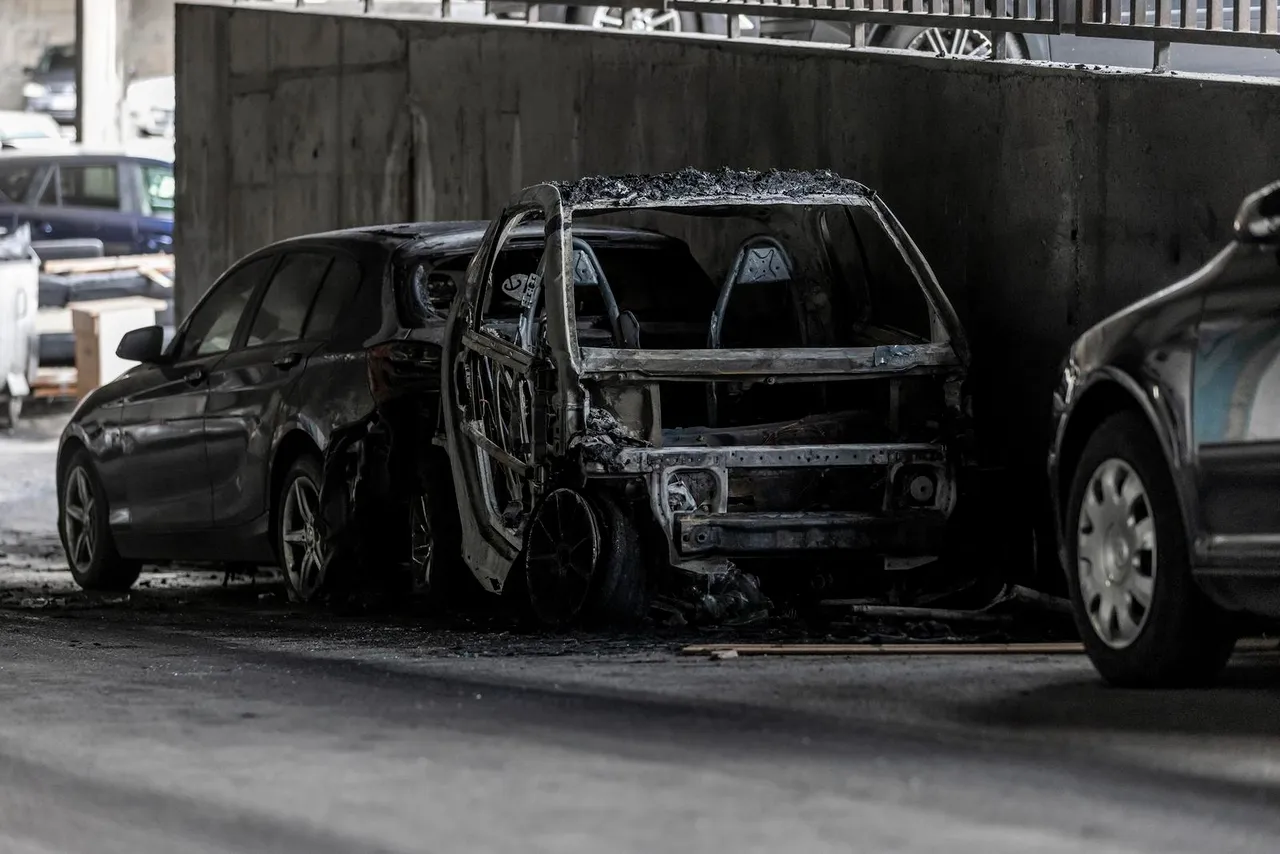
(92, 557)
(1182, 639)
(299, 546)
(583, 562)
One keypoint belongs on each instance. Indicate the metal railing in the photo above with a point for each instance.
(1228, 23)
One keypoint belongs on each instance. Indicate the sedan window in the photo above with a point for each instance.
(284, 309)
(212, 327)
(90, 186)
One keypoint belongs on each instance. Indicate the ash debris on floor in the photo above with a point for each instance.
(34, 578)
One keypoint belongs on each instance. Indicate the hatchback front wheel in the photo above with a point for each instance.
(86, 537)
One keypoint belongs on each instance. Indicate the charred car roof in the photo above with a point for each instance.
(436, 239)
(724, 187)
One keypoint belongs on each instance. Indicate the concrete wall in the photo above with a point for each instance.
(28, 26)
(1046, 197)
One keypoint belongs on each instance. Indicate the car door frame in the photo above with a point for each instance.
(117, 229)
(491, 540)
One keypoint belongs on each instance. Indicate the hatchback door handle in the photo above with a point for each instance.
(195, 376)
(287, 361)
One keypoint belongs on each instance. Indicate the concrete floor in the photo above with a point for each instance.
(195, 718)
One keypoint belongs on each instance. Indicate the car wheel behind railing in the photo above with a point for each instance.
(951, 43)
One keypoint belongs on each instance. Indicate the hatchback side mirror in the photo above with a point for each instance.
(144, 345)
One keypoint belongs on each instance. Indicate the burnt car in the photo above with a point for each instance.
(615, 434)
(1165, 469)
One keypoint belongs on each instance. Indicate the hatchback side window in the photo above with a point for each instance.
(212, 327)
(283, 313)
(340, 286)
(95, 186)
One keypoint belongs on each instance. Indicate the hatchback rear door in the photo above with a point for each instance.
(250, 389)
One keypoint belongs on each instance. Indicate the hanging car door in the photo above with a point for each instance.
(501, 379)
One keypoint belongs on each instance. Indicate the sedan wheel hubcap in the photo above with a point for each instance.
(80, 525)
(1116, 553)
(301, 545)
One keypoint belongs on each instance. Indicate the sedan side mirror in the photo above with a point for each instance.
(1258, 220)
(144, 345)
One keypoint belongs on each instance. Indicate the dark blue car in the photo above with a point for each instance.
(124, 200)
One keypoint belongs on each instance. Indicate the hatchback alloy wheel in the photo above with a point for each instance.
(80, 520)
(421, 541)
(302, 551)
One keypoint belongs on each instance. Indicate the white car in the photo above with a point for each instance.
(150, 105)
(25, 130)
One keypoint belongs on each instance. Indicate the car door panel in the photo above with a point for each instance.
(248, 393)
(162, 449)
(1236, 414)
(92, 199)
(167, 472)
(247, 398)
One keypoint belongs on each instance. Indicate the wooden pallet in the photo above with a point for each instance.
(55, 384)
(158, 267)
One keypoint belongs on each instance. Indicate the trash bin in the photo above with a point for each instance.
(19, 300)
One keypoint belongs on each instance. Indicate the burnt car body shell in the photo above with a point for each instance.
(491, 545)
(1197, 359)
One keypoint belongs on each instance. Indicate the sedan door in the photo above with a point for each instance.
(166, 468)
(250, 390)
(1236, 416)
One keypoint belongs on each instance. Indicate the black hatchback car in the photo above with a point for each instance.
(216, 447)
(1166, 465)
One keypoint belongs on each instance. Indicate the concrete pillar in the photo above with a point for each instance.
(101, 32)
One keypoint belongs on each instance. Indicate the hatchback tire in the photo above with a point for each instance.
(86, 536)
(299, 546)
(435, 539)
(1143, 620)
